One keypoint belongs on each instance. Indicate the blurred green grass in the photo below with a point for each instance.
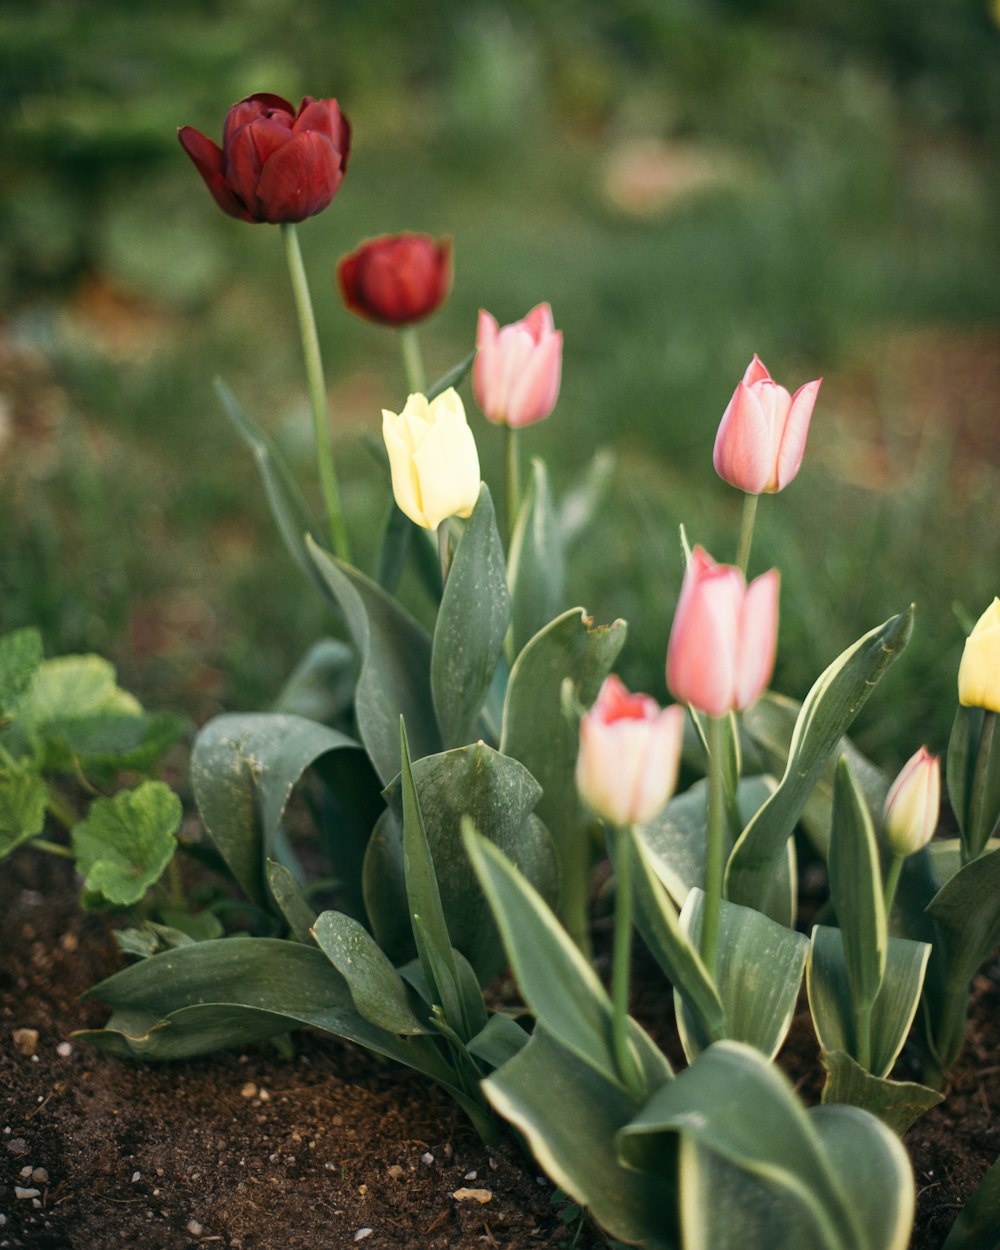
(685, 183)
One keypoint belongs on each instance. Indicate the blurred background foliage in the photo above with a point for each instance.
(686, 181)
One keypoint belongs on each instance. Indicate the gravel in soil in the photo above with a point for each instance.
(329, 1148)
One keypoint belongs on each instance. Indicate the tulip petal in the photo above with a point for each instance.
(757, 638)
(793, 437)
(300, 179)
(534, 393)
(701, 654)
(539, 322)
(405, 481)
(742, 454)
(447, 465)
(756, 371)
(207, 157)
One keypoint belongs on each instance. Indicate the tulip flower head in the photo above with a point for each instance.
(724, 636)
(432, 458)
(518, 368)
(979, 671)
(629, 754)
(274, 165)
(762, 436)
(913, 804)
(397, 279)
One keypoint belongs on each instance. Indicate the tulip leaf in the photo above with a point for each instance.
(395, 659)
(453, 377)
(973, 776)
(978, 1222)
(321, 686)
(498, 794)
(20, 656)
(898, 1104)
(288, 507)
(856, 891)
(24, 800)
(499, 1040)
(659, 923)
(570, 1112)
(292, 903)
(584, 501)
(537, 562)
(894, 1006)
(538, 732)
(376, 988)
(828, 710)
(243, 769)
(759, 970)
(471, 624)
(125, 842)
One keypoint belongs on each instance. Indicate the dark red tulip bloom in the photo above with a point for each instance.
(274, 164)
(397, 279)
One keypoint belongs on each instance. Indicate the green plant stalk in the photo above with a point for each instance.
(512, 479)
(748, 519)
(53, 848)
(413, 360)
(61, 809)
(892, 881)
(444, 550)
(863, 1034)
(715, 847)
(317, 393)
(621, 962)
(978, 792)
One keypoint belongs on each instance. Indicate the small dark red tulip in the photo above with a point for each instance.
(397, 279)
(275, 164)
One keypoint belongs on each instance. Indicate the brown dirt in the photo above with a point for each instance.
(257, 1151)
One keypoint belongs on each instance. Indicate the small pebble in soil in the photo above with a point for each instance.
(17, 1145)
(25, 1041)
(64, 1050)
(40, 1176)
(395, 1171)
(21, 1192)
(249, 1090)
(469, 1176)
(194, 1228)
(476, 1195)
(427, 1158)
(136, 1176)
(362, 1233)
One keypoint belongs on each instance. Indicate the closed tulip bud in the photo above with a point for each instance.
(518, 368)
(274, 165)
(762, 436)
(629, 755)
(913, 804)
(397, 279)
(979, 671)
(433, 459)
(724, 636)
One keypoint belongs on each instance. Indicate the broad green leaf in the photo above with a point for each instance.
(896, 1103)
(376, 987)
(471, 624)
(385, 889)
(116, 739)
(20, 655)
(397, 534)
(500, 1038)
(321, 686)
(659, 923)
(966, 916)
(856, 891)
(199, 926)
(126, 841)
(395, 658)
(735, 1103)
(537, 732)
(24, 800)
(557, 983)
(453, 376)
(243, 769)
(769, 725)
(498, 795)
(978, 1224)
(292, 903)
(758, 973)
(871, 1165)
(583, 502)
(537, 562)
(894, 1007)
(569, 1112)
(829, 708)
(288, 508)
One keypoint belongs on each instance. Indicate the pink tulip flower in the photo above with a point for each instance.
(762, 435)
(518, 368)
(723, 641)
(629, 755)
(913, 804)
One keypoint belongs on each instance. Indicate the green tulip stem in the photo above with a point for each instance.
(892, 881)
(513, 480)
(621, 962)
(413, 360)
(863, 1034)
(317, 392)
(444, 550)
(715, 847)
(976, 834)
(747, 520)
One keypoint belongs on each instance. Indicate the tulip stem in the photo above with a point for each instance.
(747, 520)
(317, 392)
(513, 481)
(621, 962)
(413, 360)
(892, 881)
(714, 846)
(444, 550)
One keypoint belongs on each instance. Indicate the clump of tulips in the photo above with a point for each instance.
(463, 775)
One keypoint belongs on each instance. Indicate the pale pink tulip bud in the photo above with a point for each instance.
(518, 368)
(724, 637)
(629, 755)
(762, 435)
(913, 804)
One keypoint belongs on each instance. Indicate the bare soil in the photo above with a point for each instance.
(330, 1148)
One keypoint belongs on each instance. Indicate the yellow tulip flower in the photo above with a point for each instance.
(979, 672)
(433, 458)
